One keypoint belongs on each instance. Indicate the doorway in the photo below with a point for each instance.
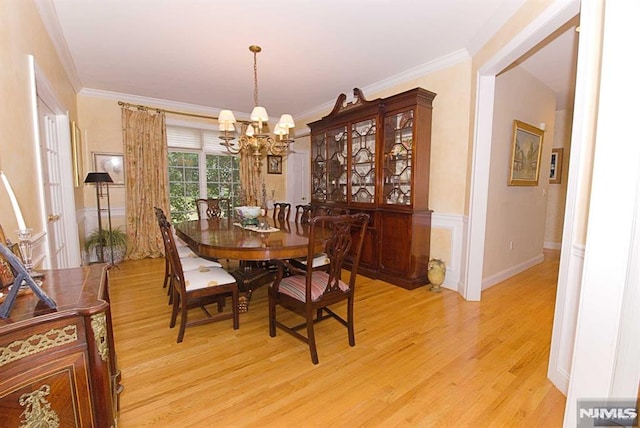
(53, 148)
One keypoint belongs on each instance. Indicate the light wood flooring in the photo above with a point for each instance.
(421, 359)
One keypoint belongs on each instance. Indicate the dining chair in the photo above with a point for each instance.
(281, 211)
(310, 292)
(213, 208)
(190, 261)
(303, 213)
(198, 288)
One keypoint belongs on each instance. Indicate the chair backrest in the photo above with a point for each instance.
(160, 215)
(213, 208)
(281, 211)
(303, 213)
(171, 253)
(342, 233)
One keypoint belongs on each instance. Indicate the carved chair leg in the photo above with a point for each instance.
(272, 314)
(174, 311)
(183, 320)
(350, 327)
(234, 308)
(312, 339)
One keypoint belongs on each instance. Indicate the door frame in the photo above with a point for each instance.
(41, 88)
(545, 24)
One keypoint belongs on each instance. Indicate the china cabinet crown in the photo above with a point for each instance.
(373, 156)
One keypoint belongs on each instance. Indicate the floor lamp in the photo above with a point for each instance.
(100, 178)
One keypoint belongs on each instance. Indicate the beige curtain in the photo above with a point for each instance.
(145, 147)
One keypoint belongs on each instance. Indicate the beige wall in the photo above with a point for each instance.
(101, 126)
(517, 214)
(21, 34)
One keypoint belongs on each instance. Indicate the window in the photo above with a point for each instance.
(198, 168)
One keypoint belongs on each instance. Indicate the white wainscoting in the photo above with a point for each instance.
(89, 216)
(456, 224)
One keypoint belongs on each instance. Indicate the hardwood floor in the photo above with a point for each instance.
(421, 360)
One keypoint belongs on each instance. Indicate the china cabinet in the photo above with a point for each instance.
(373, 156)
(58, 367)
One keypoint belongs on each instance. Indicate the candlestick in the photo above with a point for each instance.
(14, 202)
(26, 249)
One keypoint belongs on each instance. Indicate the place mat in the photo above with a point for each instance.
(254, 228)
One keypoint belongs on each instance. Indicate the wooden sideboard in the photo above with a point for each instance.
(58, 367)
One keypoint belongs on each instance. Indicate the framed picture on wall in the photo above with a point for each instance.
(274, 164)
(555, 172)
(526, 150)
(112, 163)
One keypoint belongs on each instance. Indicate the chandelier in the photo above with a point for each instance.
(255, 139)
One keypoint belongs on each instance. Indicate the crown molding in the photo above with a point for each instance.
(49, 18)
(407, 75)
(159, 103)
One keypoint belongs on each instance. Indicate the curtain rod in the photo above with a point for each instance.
(159, 110)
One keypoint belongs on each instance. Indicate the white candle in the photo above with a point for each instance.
(14, 202)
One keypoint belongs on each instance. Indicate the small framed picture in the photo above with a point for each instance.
(274, 164)
(112, 163)
(555, 171)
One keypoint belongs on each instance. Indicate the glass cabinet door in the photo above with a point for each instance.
(319, 167)
(337, 164)
(363, 161)
(398, 151)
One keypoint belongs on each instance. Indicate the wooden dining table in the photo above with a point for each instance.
(226, 238)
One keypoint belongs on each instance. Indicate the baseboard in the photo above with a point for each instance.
(552, 245)
(514, 270)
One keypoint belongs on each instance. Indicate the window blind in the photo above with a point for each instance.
(182, 137)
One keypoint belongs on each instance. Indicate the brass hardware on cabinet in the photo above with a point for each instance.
(53, 217)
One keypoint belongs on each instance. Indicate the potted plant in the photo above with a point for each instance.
(115, 237)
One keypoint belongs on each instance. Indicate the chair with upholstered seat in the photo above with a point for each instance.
(310, 292)
(198, 288)
(281, 211)
(213, 208)
(190, 260)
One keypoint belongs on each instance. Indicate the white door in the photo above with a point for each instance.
(298, 178)
(55, 187)
(52, 185)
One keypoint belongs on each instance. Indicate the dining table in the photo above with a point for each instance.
(227, 238)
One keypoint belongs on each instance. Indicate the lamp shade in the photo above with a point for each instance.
(98, 177)
(286, 121)
(226, 116)
(259, 114)
(279, 130)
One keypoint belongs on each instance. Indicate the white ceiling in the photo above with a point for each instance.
(196, 51)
